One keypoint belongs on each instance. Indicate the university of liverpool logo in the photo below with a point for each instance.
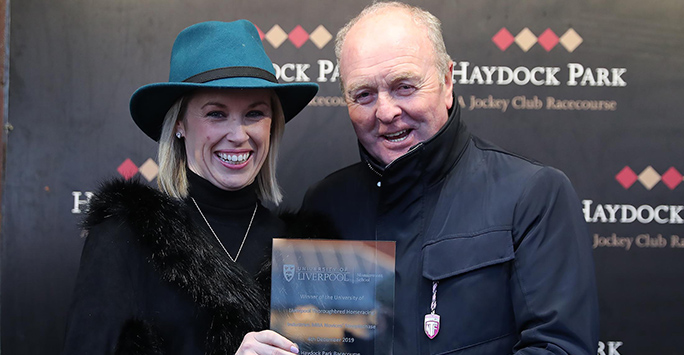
(288, 272)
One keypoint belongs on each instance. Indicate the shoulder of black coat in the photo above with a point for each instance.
(132, 201)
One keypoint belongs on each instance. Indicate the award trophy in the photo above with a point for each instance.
(334, 296)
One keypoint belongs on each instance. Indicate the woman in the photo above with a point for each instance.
(175, 271)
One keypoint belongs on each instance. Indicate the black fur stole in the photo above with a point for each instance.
(183, 256)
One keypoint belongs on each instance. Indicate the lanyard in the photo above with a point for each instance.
(431, 321)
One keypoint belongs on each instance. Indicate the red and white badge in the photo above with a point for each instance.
(431, 322)
(431, 325)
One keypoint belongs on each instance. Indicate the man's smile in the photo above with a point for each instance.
(397, 136)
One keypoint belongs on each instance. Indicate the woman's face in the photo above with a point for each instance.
(227, 134)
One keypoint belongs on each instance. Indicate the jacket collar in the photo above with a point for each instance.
(428, 161)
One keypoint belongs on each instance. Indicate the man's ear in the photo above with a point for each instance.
(449, 86)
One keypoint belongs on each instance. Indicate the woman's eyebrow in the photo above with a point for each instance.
(258, 103)
(213, 103)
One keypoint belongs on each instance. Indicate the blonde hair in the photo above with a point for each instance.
(172, 158)
(420, 16)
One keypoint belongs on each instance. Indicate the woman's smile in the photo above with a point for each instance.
(227, 134)
(234, 160)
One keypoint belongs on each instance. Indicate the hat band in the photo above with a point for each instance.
(231, 72)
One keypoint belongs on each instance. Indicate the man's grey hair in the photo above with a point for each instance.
(420, 16)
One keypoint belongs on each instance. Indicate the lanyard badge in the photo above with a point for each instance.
(431, 322)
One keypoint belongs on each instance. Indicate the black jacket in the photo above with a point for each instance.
(153, 280)
(503, 236)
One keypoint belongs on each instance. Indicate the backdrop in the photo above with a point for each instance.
(594, 88)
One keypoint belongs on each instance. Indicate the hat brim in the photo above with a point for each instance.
(150, 103)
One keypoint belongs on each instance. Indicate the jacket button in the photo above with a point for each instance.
(379, 183)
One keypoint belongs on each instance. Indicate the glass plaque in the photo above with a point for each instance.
(334, 297)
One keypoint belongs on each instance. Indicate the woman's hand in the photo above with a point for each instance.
(266, 342)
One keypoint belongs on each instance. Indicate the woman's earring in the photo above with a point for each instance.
(179, 135)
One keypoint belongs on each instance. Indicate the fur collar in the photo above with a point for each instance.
(184, 256)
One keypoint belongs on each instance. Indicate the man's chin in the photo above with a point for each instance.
(387, 158)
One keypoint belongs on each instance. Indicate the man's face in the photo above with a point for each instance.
(395, 96)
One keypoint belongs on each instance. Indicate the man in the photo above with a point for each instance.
(491, 242)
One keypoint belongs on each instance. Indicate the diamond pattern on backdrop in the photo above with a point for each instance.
(149, 169)
(525, 39)
(649, 177)
(298, 36)
(626, 177)
(503, 39)
(261, 33)
(320, 36)
(548, 40)
(276, 36)
(127, 169)
(672, 178)
(571, 40)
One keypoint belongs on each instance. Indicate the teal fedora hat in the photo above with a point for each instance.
(215, 55)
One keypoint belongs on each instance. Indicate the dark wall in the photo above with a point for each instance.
(75, 63)
(3, 59)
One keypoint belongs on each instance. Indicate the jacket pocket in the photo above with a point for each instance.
(473, 293)
(453, 255)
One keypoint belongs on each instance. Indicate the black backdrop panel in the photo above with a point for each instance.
(592, 87)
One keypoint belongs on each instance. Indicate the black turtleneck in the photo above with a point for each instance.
(229, 213)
